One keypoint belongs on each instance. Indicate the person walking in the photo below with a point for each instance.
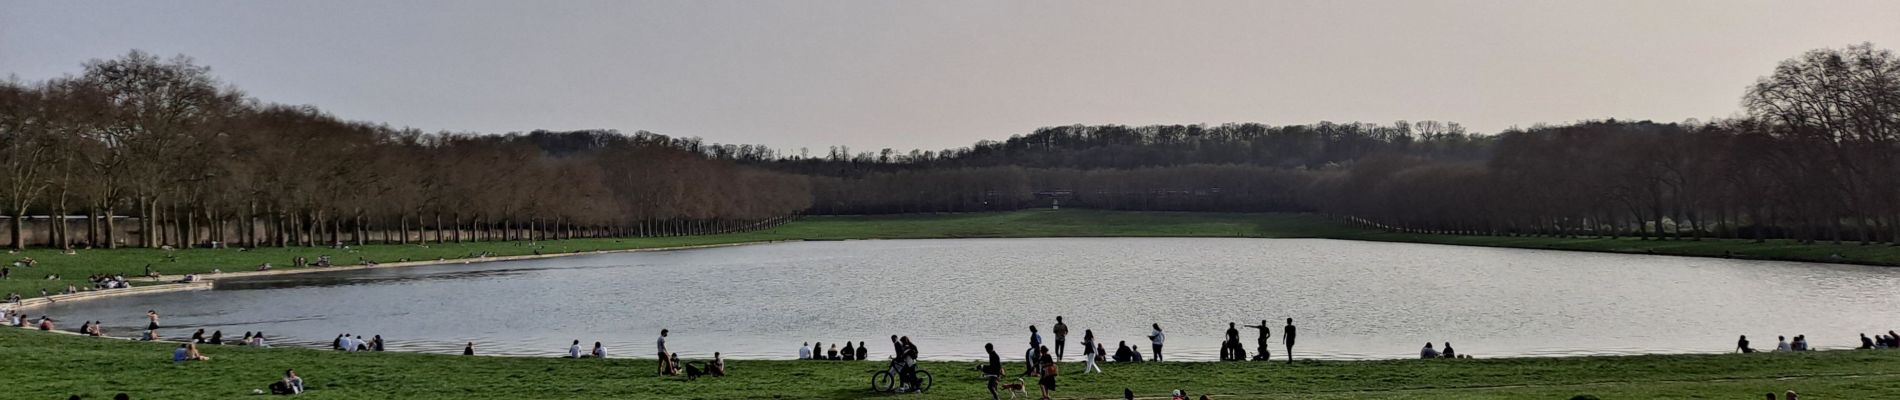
(1157, 337)
(1089, 352)
(1062, 333)
(665, 364)
(994, 370)
(1289, 333)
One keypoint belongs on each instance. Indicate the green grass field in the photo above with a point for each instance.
(1038, 223)
(37, 365)
(50, 366)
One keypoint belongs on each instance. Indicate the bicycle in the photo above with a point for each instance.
(886, 381)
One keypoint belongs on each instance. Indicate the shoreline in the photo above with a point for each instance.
(209, 281)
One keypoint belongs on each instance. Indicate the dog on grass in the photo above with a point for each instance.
(1015, 389)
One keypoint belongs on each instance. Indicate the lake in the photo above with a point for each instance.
(1351, 300)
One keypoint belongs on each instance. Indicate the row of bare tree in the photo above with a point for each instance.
(197, 162)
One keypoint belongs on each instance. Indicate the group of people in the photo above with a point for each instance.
(1232, 350)
(345, 342)
(91, 328)
(850, 353)
(104, 281)
(1800, 343)
(574, 351)
(1430, 353)
(1887, 341)
(19, 320)
(188, 352)
(670, 364)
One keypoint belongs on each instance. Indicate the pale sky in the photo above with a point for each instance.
(939, 74)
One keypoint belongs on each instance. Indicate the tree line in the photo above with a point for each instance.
(1812, 157)
(196, 162)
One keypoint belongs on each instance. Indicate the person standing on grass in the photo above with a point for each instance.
(1157, 337)
(1230, 348)
(1265, 333)
(1062, 333)
(664, 363)
(1289, 333)
(1029, 357)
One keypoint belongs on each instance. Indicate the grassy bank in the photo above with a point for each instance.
(49, 366)
(1039, 223)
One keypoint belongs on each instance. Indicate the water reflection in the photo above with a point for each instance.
(1352, 300)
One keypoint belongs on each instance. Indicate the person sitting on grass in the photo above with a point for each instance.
(469, 350)
(1783, 345)
(290, 384)
(804, 351)
(187, 352)
(673, 365)
(1741, 345)
(599, 352)
(833, 353)
(717, 367)
(574, 350)
(1865, 343)
(862, 351)
(217, 337)
(1448, 353)
(848, 351)
(1428, 353)
(191, 350)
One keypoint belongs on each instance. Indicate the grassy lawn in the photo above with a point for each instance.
(1036, 223)
(51, 366)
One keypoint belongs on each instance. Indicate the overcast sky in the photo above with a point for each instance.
(932, 75)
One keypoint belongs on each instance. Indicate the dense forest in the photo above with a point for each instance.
(197, 162)
(1812, 156)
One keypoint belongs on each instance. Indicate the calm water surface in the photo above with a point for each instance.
(1351, 300)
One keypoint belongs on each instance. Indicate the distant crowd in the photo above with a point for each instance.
(1040, 360)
